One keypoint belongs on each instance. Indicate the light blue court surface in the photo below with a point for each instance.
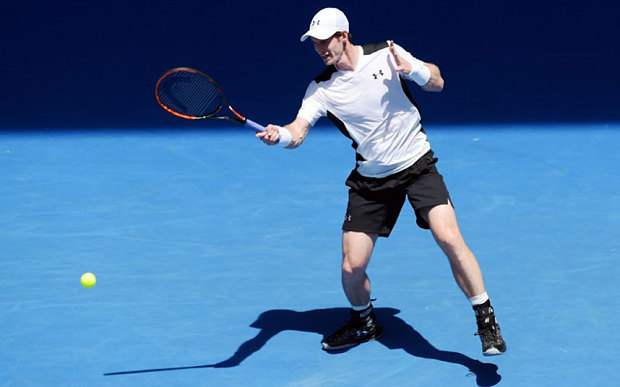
(217, 261)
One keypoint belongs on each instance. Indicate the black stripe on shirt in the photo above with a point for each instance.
(374, 47)
(326, 74)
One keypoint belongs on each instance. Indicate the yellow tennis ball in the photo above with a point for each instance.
(88, 280)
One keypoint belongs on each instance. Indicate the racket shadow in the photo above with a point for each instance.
(398, 335)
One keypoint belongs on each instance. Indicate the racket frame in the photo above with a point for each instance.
(235, 117)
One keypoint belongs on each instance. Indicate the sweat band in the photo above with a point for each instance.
(285, 136)
(420, 73)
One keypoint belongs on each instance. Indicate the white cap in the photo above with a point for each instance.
(325, 23)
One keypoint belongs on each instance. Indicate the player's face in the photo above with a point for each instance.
(330, 49)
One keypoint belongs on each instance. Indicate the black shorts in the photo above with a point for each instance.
(375, 203)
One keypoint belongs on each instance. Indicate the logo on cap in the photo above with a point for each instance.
(325, 23)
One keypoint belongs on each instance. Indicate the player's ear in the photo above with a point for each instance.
(346, 36)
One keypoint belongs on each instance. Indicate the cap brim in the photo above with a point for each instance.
(318, 33)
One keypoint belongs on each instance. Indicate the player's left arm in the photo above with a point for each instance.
(425, 74)
(435, 82)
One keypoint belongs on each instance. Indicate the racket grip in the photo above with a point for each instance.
(256, 127)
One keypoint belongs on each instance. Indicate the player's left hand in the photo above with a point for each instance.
(402, 65)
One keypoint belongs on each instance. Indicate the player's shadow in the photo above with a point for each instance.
(398, 335)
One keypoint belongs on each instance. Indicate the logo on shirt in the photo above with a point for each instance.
(378, 74)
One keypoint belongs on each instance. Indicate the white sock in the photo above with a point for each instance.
(362, 308)
(479, 299)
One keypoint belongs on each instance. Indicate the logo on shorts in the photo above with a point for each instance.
(347, 218)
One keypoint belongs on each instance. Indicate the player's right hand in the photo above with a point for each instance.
(271, 136)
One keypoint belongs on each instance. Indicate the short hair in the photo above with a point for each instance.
(339, 34)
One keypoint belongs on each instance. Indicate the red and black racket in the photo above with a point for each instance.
(193, 95)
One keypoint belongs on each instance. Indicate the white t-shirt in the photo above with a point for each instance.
(372, 107)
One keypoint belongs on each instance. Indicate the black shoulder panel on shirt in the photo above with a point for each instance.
(342, 128)
(407, 92)
(370, 48)
(326, 75)
(340, 125)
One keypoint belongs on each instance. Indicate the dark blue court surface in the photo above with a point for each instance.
(218, 261)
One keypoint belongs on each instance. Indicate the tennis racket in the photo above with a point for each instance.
(193, 95)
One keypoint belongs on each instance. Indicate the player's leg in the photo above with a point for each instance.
(467, 273)
(372, 211)
(429, 197)
(445, 230)
(356, 252)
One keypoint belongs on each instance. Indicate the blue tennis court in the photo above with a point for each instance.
(218, 260)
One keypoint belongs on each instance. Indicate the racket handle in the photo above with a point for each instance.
(256, 127)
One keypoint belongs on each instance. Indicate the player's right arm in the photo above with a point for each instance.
(298, 129)
(293, 135)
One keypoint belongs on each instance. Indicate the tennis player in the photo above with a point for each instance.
(363, 91)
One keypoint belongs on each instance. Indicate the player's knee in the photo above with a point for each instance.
(450, 239)
(353, 265)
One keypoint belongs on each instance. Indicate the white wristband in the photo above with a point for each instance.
(420, 74)
(285, 136)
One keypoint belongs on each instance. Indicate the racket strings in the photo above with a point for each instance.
(189, 94)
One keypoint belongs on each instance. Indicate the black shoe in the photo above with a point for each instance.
(489, 331)
(358, 330)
